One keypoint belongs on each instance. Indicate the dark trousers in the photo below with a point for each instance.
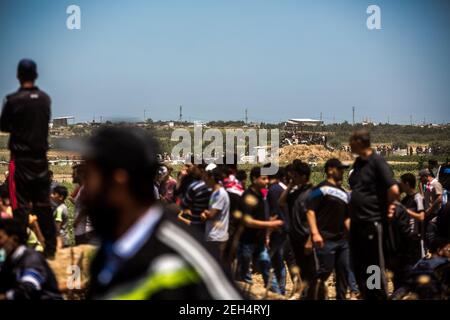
(335, 255)
(366, 246)
(277, 247)
(29, 192)
(305, 261)
(248, 252)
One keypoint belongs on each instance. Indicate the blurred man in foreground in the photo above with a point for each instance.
(144, 254)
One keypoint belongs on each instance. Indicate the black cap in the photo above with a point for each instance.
(335, 163)
(27, 69)
(130, 149)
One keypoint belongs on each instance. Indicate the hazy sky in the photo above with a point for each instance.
(279, 59)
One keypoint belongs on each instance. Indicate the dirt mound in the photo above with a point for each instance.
(312, 153)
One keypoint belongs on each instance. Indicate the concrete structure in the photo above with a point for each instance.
(62, 121)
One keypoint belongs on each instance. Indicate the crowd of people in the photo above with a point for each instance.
(206, 232)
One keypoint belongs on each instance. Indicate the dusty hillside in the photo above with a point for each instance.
(306, 153)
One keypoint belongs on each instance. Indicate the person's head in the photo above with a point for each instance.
(12, 235)
(425, 176)
(164, 172)
(59, 194)
(278, 176)
(444, 251)
(299, 172)
(258, 181)
(78, 174)
(432, 164)
(195, 170)
(408, 182)
(334, 169)
(360, 141)
(231, 163)
(27, 71)
(241, 175)
(120, 167)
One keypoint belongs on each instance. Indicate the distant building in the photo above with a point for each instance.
(62, 121)
(298, 124)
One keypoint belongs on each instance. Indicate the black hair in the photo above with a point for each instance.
(255, 173)
(409, 178)
(217, 174)
(130, 149)
(27, 70)
(281, 173)
(62, 191)
(301, 168)
(362, 136)
(241, 175)
(14, 228)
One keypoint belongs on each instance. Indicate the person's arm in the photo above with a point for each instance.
(74, 194)
(250, 222)
(29, 284)
(315, 234)
(58, 226)
(385, 174)
(347, 223)
(58, 219)
(6, 117)
(34, 226)
(420, 216)
(436, 203)
(210, 214)
(393, 196)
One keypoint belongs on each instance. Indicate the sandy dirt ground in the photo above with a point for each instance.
(307, 153)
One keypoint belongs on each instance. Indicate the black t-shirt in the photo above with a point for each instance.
(273, 196)
(252, 203)
(330, 204)
(26, 115)
(292, 197)
(370, 180)
(414, 202)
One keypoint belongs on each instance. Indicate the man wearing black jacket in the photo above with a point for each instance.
(26, 115)
(145, 252)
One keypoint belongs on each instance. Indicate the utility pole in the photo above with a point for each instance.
(181, 114)
(246, 116)
(321, 116)
(353, 108)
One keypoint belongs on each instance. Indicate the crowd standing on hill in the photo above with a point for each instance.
(206, 233)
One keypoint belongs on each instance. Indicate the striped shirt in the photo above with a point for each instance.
(196, 199)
